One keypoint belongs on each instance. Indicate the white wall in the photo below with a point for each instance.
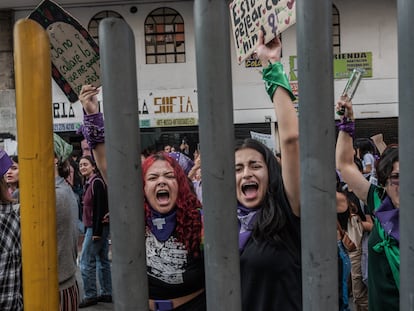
(366, 26)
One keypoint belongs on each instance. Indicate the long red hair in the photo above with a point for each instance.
(189, 226)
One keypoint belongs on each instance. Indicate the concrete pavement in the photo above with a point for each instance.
(101, 306)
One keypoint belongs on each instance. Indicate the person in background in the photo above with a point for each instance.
(167, 148)
(76, 182)
(11, 298)
(268, 201)
(66, 225)
(85, 148)
(383, 202)
(95, 249)
(184, 147)
(195, 176)
(344, 262)
(173, 222)
(365, 150)
(12, 178)
(359, 257)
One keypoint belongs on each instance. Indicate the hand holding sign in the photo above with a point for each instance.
(270, 52)
(248, 17)
(89, 99)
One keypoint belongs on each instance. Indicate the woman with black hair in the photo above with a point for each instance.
(383, 202)
(268, 202)
(12, 178)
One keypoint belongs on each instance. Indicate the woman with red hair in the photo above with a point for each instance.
(173, 228)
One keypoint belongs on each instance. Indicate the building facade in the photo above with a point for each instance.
(364, 35)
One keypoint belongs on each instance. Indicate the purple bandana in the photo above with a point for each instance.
(185, 162)
(162, 225)
(388, 216)
(246, 218)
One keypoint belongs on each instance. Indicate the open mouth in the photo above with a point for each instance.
(250, 189)
(163, 196)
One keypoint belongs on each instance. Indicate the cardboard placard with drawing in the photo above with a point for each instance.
(249, 16)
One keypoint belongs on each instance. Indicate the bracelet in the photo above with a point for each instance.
(93, 129)
(346, 125)
(275, 76)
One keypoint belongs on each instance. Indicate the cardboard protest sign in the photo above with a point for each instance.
(265, 139)
(74, 53)
(250, 16)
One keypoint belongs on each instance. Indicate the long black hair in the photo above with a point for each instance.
(273, 217)
(385, 164)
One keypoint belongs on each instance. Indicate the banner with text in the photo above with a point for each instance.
(74, 53)
(266, 139)
(343, 65)
(250, 16)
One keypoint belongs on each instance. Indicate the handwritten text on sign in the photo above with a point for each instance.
(74, 53)
(250, 16)
(74, 59)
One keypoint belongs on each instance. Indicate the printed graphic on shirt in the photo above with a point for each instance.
(166, 261)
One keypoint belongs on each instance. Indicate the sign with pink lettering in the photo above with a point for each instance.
(74, 53)
(250, 16)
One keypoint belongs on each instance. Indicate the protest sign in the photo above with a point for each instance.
(250, 16)
(265, 139)
(74, 53)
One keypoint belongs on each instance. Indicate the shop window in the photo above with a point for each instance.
(164, 37)
(93, 26)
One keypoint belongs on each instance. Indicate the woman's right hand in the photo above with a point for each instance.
(270, 52)
(89, 99)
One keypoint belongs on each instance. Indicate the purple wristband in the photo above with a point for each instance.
(93, 129)
(346, 125)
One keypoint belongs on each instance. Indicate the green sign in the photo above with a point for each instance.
(343, 65)
(346, 62)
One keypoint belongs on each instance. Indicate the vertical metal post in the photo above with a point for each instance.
(316, 124)
(406, 146)
(120, 98)
(37, 172)
(214, 84)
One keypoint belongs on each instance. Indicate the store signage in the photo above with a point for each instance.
(343, 65)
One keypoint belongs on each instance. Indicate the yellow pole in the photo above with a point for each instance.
(37, 180)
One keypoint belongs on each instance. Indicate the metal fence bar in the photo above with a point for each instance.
(214, 85)
(316, 124)
(406, 149)
(118, 62)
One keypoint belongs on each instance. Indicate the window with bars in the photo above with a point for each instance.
(164, 37)
(336, 31)
(93, 26)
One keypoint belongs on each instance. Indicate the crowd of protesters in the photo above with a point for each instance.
(268, 213)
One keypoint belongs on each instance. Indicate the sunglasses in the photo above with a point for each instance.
(394, 179)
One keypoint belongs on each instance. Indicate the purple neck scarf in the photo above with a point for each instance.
(246, 218)
(388, 216)
(162, 225)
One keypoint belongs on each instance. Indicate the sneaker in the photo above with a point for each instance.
(88, 302)
(105, 298)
